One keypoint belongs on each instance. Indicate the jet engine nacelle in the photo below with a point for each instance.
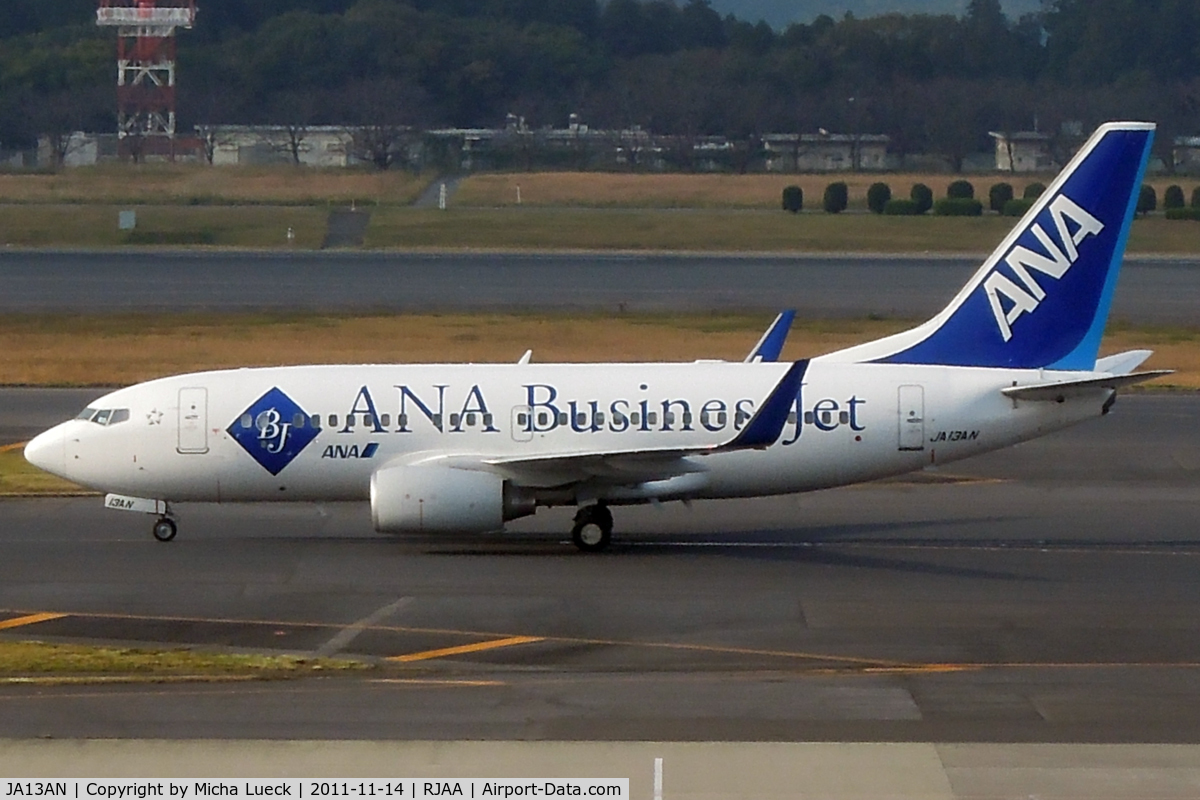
(416, 499)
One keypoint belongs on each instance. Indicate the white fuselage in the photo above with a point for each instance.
(193, 437)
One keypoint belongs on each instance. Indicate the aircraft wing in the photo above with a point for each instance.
(622, 467)
(1064, 389)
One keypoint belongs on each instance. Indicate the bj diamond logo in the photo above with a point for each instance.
(273, 431)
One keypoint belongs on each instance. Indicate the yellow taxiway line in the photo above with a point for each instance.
(32, 619)
(15, 446)
(443, 652)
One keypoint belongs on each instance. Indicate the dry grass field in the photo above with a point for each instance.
(221, 226)
(721, 230)
(124, 349)
(625, 190)
(194, 184)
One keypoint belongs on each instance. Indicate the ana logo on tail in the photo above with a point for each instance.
(1055, 262)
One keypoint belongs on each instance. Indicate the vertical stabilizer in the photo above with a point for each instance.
(1041, 300)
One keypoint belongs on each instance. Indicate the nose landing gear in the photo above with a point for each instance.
(165, 529)
(593, 528)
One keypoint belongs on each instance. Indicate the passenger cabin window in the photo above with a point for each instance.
(298, 420)
(386, 420)
(315, 419)
(333, 420)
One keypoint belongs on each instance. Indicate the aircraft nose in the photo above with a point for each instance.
(47, 451)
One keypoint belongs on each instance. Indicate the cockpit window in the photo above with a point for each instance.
(105, 416)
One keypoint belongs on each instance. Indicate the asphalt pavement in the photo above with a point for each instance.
(1048, 593)
(1151, 292)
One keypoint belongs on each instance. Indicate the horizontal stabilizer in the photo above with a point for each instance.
(1123, 363)
(1063, 390)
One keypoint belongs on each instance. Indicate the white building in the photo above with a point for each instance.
(1023, 151)
(256, 145)
(826, 152)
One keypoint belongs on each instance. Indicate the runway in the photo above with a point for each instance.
(1152, 291)
(1043, 594)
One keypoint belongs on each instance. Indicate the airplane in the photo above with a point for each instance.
(465, 448)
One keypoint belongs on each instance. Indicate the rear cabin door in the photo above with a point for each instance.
(193, 421)
(912, 417)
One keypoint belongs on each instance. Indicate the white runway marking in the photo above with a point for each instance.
(346, 635)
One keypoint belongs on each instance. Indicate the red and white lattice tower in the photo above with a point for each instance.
(146, 62)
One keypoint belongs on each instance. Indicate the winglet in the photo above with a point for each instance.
(771, 344)
(764, 427)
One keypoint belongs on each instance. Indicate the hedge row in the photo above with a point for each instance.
(960, 200)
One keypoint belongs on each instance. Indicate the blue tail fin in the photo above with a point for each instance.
(1041, 300)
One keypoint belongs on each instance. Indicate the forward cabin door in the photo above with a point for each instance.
(193, 421)
(912, 417)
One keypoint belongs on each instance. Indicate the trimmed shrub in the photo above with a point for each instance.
(1147, 200)
(1190, 212)
(1017, 207)
(900, 207)
(1196, 197)
(922, 195)
(961, 190)
(878, 196)
(958, 207)
(793, 199)
(998, 195)
(1034, 190)
(1173, 197)
(837, 197)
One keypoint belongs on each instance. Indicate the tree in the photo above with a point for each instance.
(57, 117)
(793, 199)
(291, 113)
(1173, 197)
(961, 190)
(836, 198)
(1033, 191)
(878, 195)
(922, 197)
(383, 117)
(998, 195)
(1147, 200)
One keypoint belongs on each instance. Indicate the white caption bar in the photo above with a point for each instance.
(407, 788)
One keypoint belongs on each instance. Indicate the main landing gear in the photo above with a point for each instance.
(593, 528)
(165, 529)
